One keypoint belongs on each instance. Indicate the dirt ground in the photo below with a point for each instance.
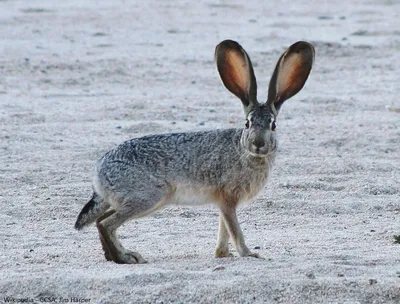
(79, 77)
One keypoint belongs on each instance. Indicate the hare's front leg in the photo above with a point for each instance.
(228, 213)
(222, 249)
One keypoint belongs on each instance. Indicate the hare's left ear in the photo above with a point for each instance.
(291, 73)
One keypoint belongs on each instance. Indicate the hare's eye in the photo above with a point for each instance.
(273, 126)
(247, 124)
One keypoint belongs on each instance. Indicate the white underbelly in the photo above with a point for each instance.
(190, 196)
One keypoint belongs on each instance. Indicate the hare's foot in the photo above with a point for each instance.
(222, 252)
(253, 255)
(130, 257)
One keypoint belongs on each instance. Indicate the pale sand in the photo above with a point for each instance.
(78, 78)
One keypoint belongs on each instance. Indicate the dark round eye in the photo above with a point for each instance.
(273, 126)
(247, 124)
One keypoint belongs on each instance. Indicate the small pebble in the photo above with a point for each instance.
(218, 268)
(310, 275)
(325, 17)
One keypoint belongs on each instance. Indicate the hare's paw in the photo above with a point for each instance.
(130, 257)
(254, 255)
(222, 252)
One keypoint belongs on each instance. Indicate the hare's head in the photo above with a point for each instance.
(289, 77)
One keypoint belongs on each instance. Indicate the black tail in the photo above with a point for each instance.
(91, 211)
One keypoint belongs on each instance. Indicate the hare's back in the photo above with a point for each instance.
(165, 159)
(160, 149)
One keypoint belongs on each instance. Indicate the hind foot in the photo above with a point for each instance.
(253, 255)
(130, 257)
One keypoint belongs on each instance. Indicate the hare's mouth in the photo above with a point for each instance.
(260, 153)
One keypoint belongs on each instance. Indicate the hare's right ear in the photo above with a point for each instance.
(236, 71)
(291, 73)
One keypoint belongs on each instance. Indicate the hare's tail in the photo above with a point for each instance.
(91, 211)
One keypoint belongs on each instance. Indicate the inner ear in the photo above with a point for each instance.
(236, 71)
(294, 72)
(291, 73)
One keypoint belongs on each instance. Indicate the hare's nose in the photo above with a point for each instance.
(259, 143)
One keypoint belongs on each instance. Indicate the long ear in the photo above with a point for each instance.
(291, 73)
(236, 71)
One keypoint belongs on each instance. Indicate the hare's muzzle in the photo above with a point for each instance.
(261, 143)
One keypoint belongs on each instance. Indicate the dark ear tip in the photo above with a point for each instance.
(302, 47)
(228, 44)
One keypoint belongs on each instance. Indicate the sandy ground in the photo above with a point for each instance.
(79, 77)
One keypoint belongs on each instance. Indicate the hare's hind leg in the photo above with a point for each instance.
(107, 253)
(107, 227)
(222, 249)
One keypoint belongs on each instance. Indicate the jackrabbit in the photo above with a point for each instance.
(224, 167)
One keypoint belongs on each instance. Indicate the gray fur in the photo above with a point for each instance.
(224, 167)
(159, 163)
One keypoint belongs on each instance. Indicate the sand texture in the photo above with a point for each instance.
(79, 77)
